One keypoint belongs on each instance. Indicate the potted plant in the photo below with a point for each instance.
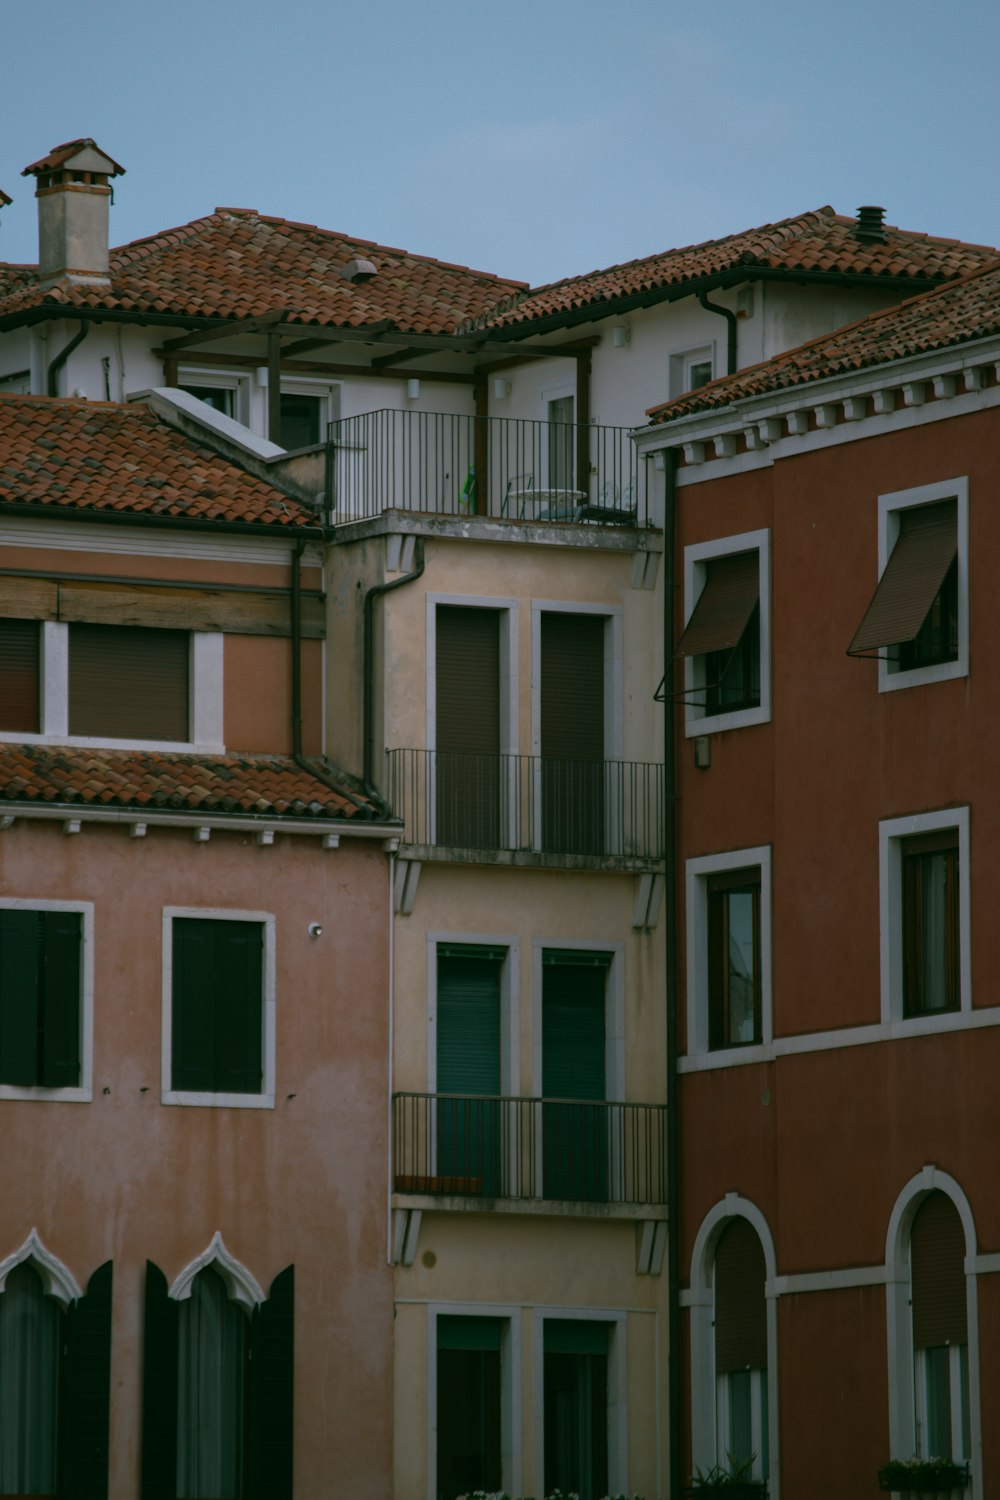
(733, 1483)
(923, 1476)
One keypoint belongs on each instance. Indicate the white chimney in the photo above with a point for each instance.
(73, 194)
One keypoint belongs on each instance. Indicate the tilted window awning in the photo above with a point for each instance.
(918, 564)
(724, 607)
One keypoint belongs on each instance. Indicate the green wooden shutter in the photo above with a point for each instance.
(238, 984)
(468, 1025)
(59, 1060)
(467, 726)
(575, 1140)
(270, 1410)
(85, 1392)
(159, 1390)
(20, 956)
(572, 732)
(193, 1005)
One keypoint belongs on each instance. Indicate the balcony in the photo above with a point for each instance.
(441, 464)
(554, 1150)
(529, 809)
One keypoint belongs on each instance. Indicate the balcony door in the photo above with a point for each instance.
(467, 758)
(572, 732)
(469, 1066)
(574, 1072)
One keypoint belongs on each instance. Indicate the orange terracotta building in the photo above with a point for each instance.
(834, 704)
(194, 1032)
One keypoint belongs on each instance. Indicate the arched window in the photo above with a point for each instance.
(30, 1328)
(940, 1329)
(211, 1381)
(741, 1349)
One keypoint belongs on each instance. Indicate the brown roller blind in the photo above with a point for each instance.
(572, 685)
(925, 549)
(724, 607)
(468, 678)
(740, 1305)
(19, 675)
(937, 1269)
(128, 683)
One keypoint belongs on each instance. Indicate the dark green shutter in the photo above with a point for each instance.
(468, 1025)
(59, 1061)
(238, 971)
(193, 1011)
(469, 1333)
(20, 959)
(85, 1392)
(159, 1390)
(271, 1393)
(572, 732)
(467, 726)
(575, 1336)
(575, 1136)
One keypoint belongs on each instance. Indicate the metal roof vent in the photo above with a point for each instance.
(359, 270)
(870, 223)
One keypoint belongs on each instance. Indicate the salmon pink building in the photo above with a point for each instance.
(193, 977)
(834, 700)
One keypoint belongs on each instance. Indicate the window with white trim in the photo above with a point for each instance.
(307, 406)
(924, 861)
(225, 391)
(690, 369)
(729, 952)
(119, 686)
(741, 1351)
(218, 1008)
(726, 642)
(45, 999)
(940, 1329)
(470, 1401)
(917, 623)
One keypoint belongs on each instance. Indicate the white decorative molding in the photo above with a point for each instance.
(694, 453)
(973, 380)
(884, 402)
(242, 1286)
(58, 1280)
(771, 429)
(754, 440)
(945, 386)
(725, 445)
(826, 414)
(914, 393)
(798, 423)
(855, 407)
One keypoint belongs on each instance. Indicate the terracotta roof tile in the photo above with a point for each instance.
(89, 455)
(271, 786)
(238, 263)
(817, 241)
(966, 309)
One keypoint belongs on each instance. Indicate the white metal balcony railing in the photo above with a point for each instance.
(440, 463)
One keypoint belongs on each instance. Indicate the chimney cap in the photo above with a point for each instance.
(359, 270)
(870, 223)
(83, 154)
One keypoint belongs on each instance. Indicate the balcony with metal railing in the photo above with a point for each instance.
(565, 1151)
(528, 809)
(505, 468)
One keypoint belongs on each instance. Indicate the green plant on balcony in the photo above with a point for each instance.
(923, 1476)
(733, 1482)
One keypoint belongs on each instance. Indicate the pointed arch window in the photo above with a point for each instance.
(741, 1349)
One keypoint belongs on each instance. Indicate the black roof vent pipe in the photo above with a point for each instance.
(871, 223)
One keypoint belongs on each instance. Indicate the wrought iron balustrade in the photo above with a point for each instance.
(441, 463)
(605, 809)
(573, 1150)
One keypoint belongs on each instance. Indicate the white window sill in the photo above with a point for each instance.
(217, 1101)
(946, 671)
(850, 1036)
(717, 723)
(81, 742)
(60, 1096)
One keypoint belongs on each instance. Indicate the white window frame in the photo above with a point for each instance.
(617, 1319)
(891, 833)
(327, 392)
(682, 363)
(701, 1300)
(221, 379)
(955, 1413)
(890, 506)
(899, 1321)
(170, 1095)
(205, 707)
(698, 873)
(696, 560)
(758, 1386)
(83, 1093)
(510, 1385)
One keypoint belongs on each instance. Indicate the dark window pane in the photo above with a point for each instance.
(734, 959)
(937, 639)
(30, 1327)
(469, 1424)
(40, 998)
(576, 1423)
(19, 675)
(219, 398)
(931, 980)
(217, 1006)
(128, 683)
(301, 420)
(732, 678)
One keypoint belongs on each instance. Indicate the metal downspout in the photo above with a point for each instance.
(60, 359)
(731, 327)
(674, 1384)
(376, 590)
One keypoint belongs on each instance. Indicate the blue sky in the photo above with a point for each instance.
(536, 140)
